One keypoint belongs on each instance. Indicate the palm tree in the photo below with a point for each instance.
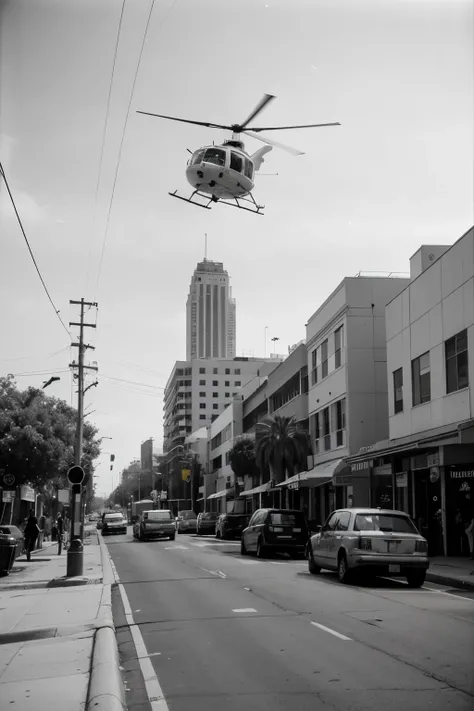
(283, 447)
(242, 459)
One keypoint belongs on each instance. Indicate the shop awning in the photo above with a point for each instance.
(258, 489)
(220, 494)
(320, 475)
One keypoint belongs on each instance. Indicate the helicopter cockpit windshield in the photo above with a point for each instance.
(197, 157)
(215, 155)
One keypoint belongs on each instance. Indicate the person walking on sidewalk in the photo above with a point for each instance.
(31, 534)
(60, 531)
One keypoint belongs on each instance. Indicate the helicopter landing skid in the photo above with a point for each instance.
(256, 209)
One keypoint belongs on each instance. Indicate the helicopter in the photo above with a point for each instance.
(225, 173)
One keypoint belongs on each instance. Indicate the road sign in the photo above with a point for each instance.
(75, 475)
(8, 480)
(8, 497)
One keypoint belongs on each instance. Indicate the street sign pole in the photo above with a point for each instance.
(75, 554)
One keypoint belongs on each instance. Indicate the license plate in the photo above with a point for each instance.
(297, 530)
(393, 568)
(283, 536)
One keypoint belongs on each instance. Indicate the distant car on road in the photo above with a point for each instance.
(206, 524)
(379, 541)
(114, 523)
(275, 531)
(186, 522)
(230, 525)
(156, 523)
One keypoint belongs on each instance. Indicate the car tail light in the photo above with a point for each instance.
(421, 547)
(365, 544)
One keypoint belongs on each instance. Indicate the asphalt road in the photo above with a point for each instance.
(230, 632)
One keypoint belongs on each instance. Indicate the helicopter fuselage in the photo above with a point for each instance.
(224, 171)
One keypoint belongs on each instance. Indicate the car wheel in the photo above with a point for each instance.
(172, 537)
(243, 550)
(416, 578)
(343, 569)
(261, 549)
(141, 537)
(312, 567)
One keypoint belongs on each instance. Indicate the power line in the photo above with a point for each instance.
(56, 311)
(104, 134)
(35, 357)
(132, 382)
(121, 145)
(40, 372)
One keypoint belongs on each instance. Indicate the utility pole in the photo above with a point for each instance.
(75, 551)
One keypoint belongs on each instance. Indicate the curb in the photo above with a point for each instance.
(106, 690)
(451, 581)
(54, 583)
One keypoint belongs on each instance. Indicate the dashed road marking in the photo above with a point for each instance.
(333, 632)
(176, 548)
(214, 572)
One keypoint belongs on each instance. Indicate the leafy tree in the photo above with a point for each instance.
(242, 457)
(37, 436)
(282, 447)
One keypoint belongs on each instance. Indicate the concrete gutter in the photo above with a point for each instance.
(106, 691)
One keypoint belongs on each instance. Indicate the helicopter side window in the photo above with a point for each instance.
(215, 155)
(249, 168)
(236, 162)
(197, 157)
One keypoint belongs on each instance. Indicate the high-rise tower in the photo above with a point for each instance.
(210, 313)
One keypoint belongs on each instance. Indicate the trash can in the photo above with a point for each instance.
(8, 546)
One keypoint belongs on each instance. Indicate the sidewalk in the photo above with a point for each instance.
(57, 639)
(457, 572)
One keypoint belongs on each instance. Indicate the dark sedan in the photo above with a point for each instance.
(114, 523)
(206, 524)
(15, 532)
(231, 525)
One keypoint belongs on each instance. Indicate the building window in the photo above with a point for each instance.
(214, 418)
(421, 379)
(202, 405)
(457, 370)
(215, 383)
(215, 406)
(202, 394)
(338, 346)
(315, 365)
(340, 421)
(215, 394)
(326, 427)
(202, 370)
(202, 417)
(215, 371)
(227, 371)
(227, 383)
(237, 371)
(227, 394)
(202, 382)
(324, 358)
(398, 390)
(238, 383)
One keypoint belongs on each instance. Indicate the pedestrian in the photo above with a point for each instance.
(31, 534)
(47, 527)
(470, 536)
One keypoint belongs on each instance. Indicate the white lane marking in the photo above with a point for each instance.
(152, 685)
(214, 572)
(176, 548)
(443, 592)
(328, 629)
(244, 609)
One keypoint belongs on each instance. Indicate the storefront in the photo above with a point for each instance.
(459, 484)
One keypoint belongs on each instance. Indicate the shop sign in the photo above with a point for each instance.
(360, 466)
(163, 495)
(467, 474)
(27, 494)
(8, 497)
(63, 496)
(401, 480)
(432, 460)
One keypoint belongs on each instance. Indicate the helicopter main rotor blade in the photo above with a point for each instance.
(288, 149)
(285, 128)
(197, 123)
(260, 106)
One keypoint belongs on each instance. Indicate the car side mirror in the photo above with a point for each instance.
(316, 529)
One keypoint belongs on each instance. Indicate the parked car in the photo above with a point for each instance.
(156, 523)
(230, 525)
(384, 542)
(206, 523)
(114, 523)
(186, 522)
(275, 531)
(17, 535)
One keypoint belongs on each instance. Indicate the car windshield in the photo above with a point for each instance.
(386, 523)
(210, 516)
(113, 517)
(237, 520)
(157, 515)
(187, 515)
(287, 519)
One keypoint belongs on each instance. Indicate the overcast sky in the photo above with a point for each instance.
(398, 173)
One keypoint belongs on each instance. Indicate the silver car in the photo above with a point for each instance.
(384, 542)
(186, 522)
